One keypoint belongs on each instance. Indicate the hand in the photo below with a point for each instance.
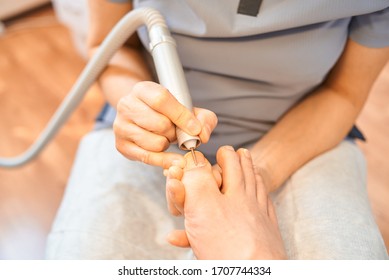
(238, 222)
(146, 120)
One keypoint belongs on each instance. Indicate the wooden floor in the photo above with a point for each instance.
(38, 65)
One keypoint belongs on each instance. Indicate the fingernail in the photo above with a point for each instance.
(165, 172)
(230, 148)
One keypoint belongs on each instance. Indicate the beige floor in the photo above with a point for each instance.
(38, 65)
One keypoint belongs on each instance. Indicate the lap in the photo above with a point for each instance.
(324, 211)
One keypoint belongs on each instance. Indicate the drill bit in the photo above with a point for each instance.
(193, 156)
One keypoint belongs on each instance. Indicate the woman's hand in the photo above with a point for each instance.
(146, 122)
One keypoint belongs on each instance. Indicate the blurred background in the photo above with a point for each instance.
(42, 52)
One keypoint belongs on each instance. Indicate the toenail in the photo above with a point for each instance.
(246, 153)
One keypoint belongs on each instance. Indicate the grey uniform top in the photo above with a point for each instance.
(250, 61)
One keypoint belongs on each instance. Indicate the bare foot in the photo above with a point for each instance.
(238, 222)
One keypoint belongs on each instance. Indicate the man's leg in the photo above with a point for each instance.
(113, 208)
(324, 212)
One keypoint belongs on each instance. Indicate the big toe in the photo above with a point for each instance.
(198, 178)
(195, 159)
(198, 170)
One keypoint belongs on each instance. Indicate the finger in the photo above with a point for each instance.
(178, 238)
(175, 195)
(232, 175)
(248, 172)
(162, 101)
(131, 109)
(208, 120)
(134, 152)
(141, 137)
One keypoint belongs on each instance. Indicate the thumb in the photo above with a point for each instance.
(208, 120)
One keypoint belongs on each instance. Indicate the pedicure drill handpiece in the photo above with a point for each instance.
(171, 76)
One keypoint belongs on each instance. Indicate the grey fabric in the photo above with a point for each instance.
(113, 208)
(324, 209)
(371, 30)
